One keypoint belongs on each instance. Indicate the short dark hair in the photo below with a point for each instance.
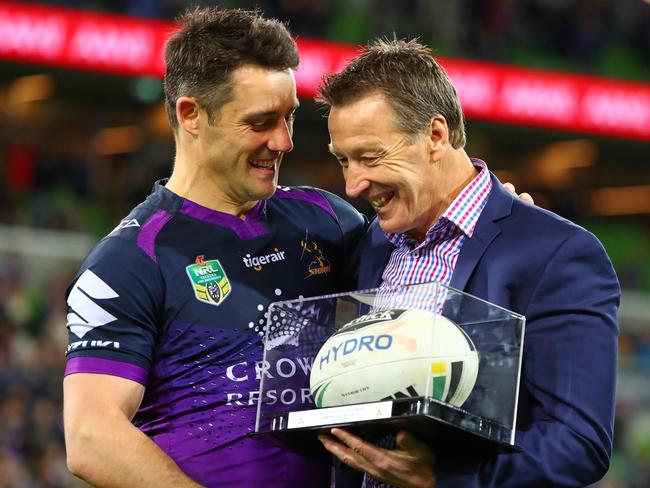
(405, 73)
(211, 44)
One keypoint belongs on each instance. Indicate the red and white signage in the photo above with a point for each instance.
(120, 44)
(41, 34)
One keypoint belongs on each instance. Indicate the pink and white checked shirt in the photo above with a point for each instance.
(434, 259)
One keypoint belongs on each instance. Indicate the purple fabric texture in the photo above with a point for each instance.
(149, 232)
(200, 405)
(106, 366)
(246, 228)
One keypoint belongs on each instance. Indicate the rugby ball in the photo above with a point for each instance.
(394, 354)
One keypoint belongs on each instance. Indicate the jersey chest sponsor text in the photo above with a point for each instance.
(258, 262)
(293, 390)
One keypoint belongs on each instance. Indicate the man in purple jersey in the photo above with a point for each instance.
(167, 314)
(396, 127)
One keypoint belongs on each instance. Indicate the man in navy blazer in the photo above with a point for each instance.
(397, 129)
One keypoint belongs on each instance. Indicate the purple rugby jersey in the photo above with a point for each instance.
(175, 298)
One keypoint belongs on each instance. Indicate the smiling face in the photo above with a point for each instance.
(395, 172)
(242, 148)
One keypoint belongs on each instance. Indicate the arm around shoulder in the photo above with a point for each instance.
(103, 446)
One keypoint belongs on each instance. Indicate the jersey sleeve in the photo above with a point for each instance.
(114, 306)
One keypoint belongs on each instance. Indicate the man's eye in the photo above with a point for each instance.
(368, 160)
(260, 126)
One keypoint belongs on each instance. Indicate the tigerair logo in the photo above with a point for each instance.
(209, 280)
(258, 262)
(318, 264)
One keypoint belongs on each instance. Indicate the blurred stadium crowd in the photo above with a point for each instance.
(55, 176)
(604, 36)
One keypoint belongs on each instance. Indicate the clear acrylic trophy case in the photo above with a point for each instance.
(404, 380)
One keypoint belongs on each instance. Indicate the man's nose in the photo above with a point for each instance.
(280, 139)
(355, 180)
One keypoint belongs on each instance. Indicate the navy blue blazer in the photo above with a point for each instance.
(558, 275)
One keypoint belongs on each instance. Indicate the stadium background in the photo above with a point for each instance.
(79, 147)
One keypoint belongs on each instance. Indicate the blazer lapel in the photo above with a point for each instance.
(382, 256)
(498, 206)
(377, 253)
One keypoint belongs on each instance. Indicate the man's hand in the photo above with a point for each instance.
(410, 466)
(523, 196)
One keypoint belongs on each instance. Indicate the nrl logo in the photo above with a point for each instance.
(209, 280)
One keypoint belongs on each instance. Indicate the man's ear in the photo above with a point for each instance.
(438, 136)
(187, 114)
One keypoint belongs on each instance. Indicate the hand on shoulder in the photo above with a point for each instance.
(522, 196)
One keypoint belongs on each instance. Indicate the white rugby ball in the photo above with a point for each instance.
(394, 354)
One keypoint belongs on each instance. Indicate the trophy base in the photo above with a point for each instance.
(436, 423)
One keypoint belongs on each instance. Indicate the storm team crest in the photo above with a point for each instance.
(318, 263)
(209, 280)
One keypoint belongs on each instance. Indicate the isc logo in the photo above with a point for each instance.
(88, 288)
(352, 345)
